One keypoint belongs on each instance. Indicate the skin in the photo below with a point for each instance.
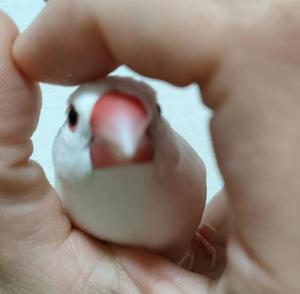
(247, 64)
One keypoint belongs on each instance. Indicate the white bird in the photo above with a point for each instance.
(123, 174)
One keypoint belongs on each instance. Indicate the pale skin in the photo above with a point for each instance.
(245, 57)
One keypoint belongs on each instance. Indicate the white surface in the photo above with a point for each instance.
(180, 106)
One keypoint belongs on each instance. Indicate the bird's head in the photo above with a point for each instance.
(108, 124)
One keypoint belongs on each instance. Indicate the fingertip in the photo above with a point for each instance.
(65, 51)
(44, 67)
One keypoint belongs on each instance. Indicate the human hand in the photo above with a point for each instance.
(248, 68)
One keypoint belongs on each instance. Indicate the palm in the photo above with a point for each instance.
(59, 259)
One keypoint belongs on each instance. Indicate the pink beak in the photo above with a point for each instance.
(118, 124)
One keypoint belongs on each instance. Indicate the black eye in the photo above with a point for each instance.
(158, 108)
(72, 117)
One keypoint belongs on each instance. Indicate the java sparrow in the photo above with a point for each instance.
(123, 174)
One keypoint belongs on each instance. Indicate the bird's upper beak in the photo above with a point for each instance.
(118, 124)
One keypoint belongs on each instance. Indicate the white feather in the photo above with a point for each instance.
(156, 205)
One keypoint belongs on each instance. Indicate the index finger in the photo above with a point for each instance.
(74, 41)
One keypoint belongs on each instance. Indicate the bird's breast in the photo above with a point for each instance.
(127, 205)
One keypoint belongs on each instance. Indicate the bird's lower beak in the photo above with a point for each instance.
(118, 125)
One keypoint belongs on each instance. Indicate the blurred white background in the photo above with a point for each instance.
(181, 106)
